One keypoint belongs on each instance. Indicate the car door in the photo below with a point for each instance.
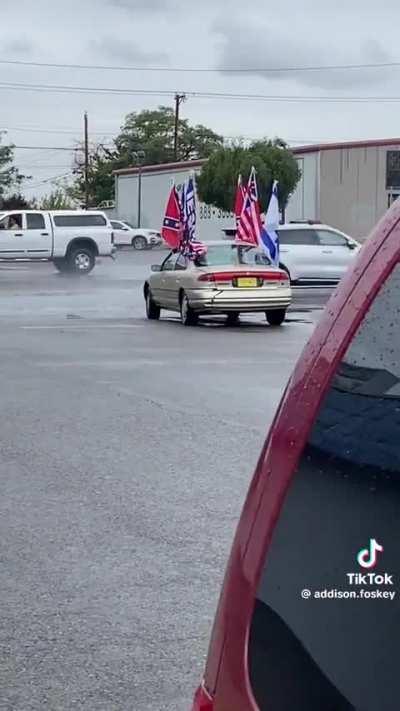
(160, 282)
(121, 233)
(335, 253)
(37, 235)
(11, 236)
(173, 271)
(300, 253)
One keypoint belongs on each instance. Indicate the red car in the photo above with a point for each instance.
(309, 617)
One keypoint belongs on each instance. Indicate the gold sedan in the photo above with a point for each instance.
(230, 278)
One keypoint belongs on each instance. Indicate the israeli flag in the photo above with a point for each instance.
(269, 236)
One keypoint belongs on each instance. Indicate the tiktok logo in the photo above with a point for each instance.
(367, 557)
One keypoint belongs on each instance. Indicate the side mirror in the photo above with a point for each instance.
(155, 268)
(351, 245)
(2, 226)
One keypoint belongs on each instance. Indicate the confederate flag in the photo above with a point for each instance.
(172, 225)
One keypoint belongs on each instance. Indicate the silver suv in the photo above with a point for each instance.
(315, 252)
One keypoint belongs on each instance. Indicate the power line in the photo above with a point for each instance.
(44, 148)
(60, 88)
(204, 70)
(27, 129)
(48, 180)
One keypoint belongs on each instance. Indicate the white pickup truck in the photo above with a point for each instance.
(71, 239)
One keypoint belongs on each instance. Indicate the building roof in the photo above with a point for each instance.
(299, 150)
(181, 165)
(316, 148)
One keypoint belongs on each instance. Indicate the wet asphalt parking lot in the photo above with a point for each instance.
(126, 449)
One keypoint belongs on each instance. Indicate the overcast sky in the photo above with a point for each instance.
(208, 33)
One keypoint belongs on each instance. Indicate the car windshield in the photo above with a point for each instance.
(222, 254)
(128, 224)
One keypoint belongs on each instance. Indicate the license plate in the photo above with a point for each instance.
(246, 282)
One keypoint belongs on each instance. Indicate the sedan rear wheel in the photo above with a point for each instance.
(152, 309)
(276, 317)
(188, 316)
(232, 318)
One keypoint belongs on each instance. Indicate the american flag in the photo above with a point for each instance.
(250, 225)
(239, 199)
(198, 248)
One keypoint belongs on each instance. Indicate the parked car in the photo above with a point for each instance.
(230, 278)
(313, 252)
(139, 238)
(71, 239)
(308, 615)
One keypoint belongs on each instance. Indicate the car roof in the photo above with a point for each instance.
(56, 212)
(308, 226)
(224, 242)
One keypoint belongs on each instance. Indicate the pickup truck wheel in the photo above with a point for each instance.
(61, 264)
(139, 242)
(81, 260)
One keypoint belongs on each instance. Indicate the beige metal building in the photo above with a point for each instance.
(346, 185)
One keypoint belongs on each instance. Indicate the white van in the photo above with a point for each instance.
(71, 239)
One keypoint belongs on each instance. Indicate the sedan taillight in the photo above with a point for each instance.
(202, 701)
(213, 277)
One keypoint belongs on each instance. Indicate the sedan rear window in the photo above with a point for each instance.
(225, 254)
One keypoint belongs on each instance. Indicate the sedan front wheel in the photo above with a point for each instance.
(152, 309)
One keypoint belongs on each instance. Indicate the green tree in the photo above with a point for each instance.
(10, 177)
(272, 160)
(149, 136)
(56, 200)
(16, 201)
(146, 138)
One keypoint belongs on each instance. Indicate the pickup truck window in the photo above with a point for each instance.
(35, 221)
(80, 221)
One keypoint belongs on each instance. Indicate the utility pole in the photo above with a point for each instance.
(86, 124)
(179, 98)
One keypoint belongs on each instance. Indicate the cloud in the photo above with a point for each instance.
(145, 6)
(19, 47)
(127, 51)
(255, 48)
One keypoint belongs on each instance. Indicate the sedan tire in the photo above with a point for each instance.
(232, 318)
(276, 317)
(188, 316)
(152, 309)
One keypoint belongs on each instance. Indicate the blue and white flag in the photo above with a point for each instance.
(269, 236)
(189, 211)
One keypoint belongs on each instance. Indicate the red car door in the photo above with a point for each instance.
(309, 617)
